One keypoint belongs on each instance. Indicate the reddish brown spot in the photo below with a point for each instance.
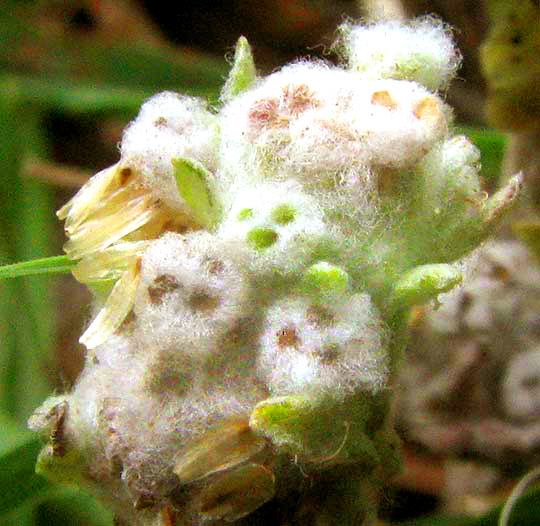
(202, 301)
(263, 113)
(163, 284)
(287, 337)
(215, 266)
(297, 99)
(319, 316)
(327, 355)
(276, 112)
(125, 175)
(160, 121)
(499, 272)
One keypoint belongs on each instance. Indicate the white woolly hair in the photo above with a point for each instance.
(284, 211)
(323, 350)
(119, 416)
(421, 50)
(314, 124)
(169, 126)
(190, 293)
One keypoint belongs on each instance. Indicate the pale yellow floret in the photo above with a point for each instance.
(109, 224)
(113, 206)
(110, 263)
(116, 308)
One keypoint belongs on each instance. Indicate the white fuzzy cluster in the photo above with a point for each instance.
(327, 128)
(190, 294)
(421, 51)
(278, 234)
(260, 248)
(169, 126)
(335, 350)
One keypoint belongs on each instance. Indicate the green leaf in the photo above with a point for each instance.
(242, 74)
(51, 265)
(69, 507)
(192, 183)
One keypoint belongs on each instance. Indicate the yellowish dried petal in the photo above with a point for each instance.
(237, 493)
(81, 205)
(98, 234)
(116, 308)
(110, 263)
(226, 446)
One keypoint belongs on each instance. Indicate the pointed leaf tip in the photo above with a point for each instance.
(243, 72)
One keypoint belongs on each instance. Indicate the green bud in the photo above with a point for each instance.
(261, 238)
(245, 214)
(283, 214)
(326, 279)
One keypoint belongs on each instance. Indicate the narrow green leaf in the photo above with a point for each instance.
(67, 96)
(51, 265)
(27, 224)
(191, 181)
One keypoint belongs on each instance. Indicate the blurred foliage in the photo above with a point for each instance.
(51, 65)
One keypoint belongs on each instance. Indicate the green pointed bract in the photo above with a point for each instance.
(326, 279)
(192, 183)
(423, 283)
(501, 201)
(317, 431)
(242, 74)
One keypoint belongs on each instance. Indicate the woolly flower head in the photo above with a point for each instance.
(422, 51)
(252, 265)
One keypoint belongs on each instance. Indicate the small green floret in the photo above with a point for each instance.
(245, 214)
(261, 238)
(326, 278)
(283, 214)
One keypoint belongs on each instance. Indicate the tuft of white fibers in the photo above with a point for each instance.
(396, 122)
(126, 424)
(169, 126)
(275, 228)
(319, 125)
(324, 350)
(450, 184)
(191, 293)
(421, 50)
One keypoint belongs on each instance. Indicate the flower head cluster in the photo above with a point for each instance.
(252, 267)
